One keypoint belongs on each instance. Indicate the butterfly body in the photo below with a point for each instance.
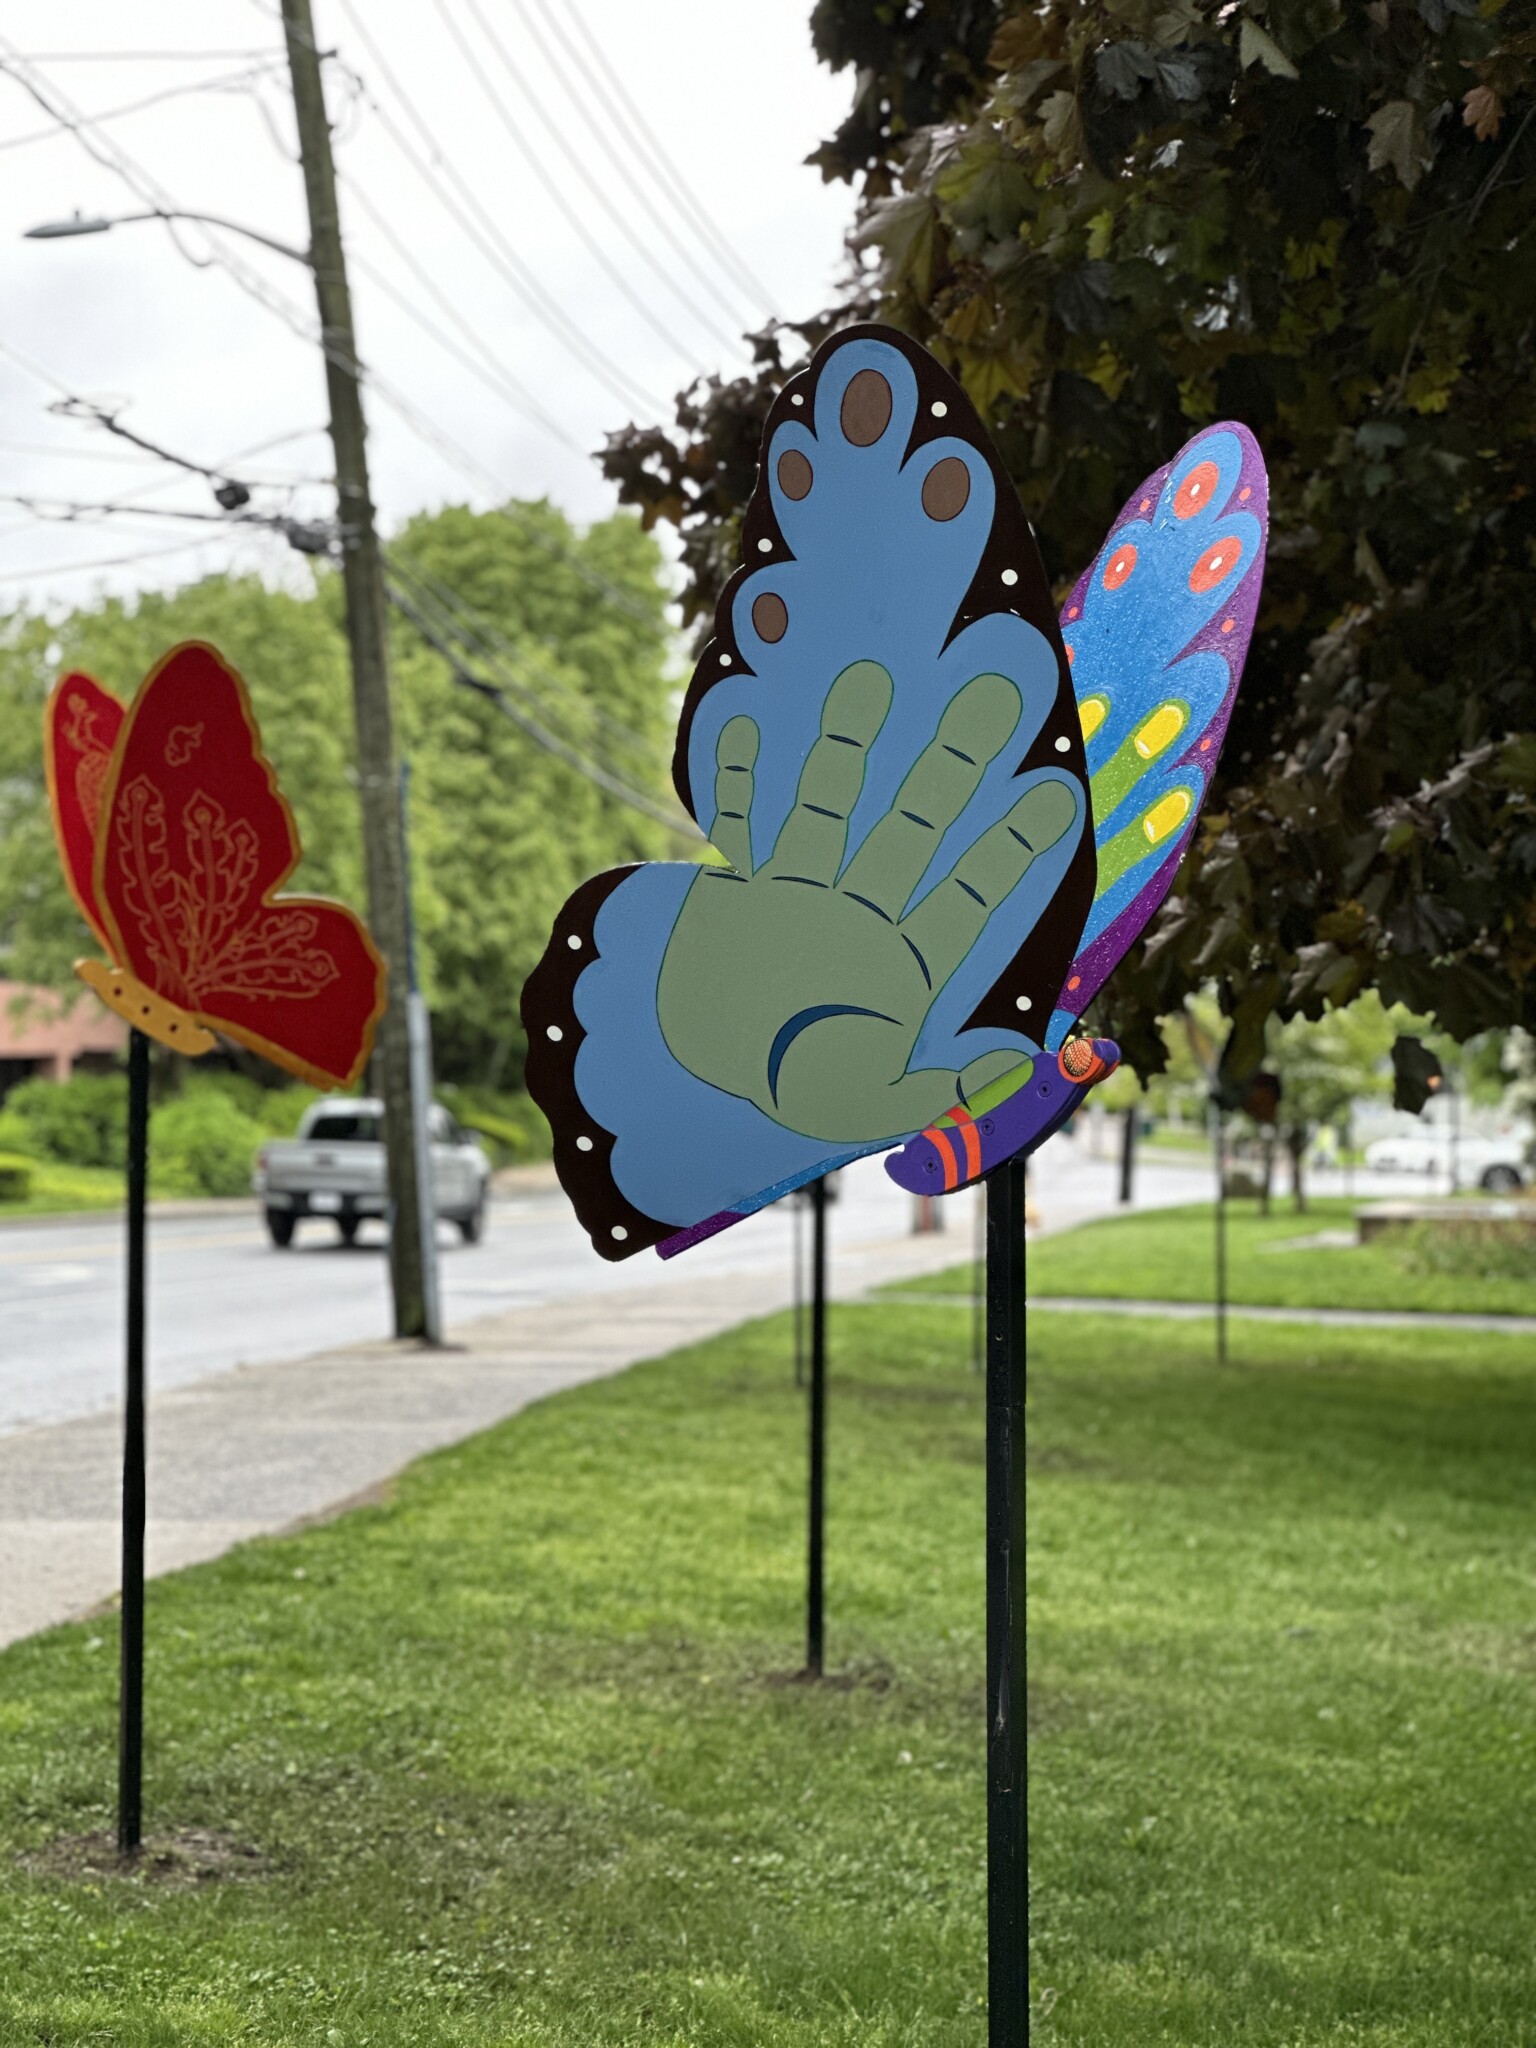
(972, 1138)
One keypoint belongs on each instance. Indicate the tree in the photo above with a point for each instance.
(1117, 221)
(1324, 1068)
(501, 829)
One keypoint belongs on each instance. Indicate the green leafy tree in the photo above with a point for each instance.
(1117, 221)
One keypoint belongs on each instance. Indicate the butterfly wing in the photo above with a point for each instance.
(883, 531)
(80, 732)
(194, 841)
(1157, 630)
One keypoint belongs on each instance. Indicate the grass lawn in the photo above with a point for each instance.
(521, 1765)
(1170, 1255)
(61, 1190)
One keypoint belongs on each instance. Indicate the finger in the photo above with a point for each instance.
(810, 847)
(977, 724)
(735, 755)
(952, 916)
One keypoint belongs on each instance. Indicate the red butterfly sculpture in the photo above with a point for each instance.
(174, 838)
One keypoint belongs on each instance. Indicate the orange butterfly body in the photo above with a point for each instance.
(175, 839)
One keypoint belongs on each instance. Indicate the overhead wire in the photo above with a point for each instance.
(111, 156)
(553, 188)
(617, 99)
(140, 56)
(488, 369)
(226, 83)
(577, 90)
(484, 637)
(577, 160)
(475, 220)
(508, 702)
(179, 547)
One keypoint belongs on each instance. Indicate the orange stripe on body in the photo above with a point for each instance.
(970, 1138)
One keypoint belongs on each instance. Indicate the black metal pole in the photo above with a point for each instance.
(814, 1602)
(1128, 1157)
(1007, 1698)
(1218, 1122)
(797, 1228)
(979, 1286)
(130, 1734)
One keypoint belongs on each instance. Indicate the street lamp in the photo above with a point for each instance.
(80, 223)
(413, 1237)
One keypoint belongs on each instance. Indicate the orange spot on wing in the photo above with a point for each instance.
(1216, 564)
(1227, 625)
(1119, 566)
(1196, 491)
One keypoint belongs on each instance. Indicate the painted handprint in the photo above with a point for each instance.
(803, 985)
(917, 893)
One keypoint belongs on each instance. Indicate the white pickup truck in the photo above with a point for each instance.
(335, 1168)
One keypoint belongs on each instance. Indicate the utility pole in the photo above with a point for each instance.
(362, 572)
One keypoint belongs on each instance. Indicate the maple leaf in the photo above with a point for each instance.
(1482, 111)
(1398, 142)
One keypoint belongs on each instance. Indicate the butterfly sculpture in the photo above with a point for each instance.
(174, 838)
(940, 816)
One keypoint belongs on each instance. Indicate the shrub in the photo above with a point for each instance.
(81, 1122)
(15, 1177)
(1468, 1251)
(202, 1144)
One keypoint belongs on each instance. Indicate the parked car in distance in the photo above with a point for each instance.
(1497, 1164)
(335, 1168)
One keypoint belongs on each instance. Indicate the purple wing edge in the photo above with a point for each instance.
(1099, 959)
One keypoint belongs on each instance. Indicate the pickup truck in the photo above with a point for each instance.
(335, 1168)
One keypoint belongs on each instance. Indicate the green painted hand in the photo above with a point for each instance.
(802, 986)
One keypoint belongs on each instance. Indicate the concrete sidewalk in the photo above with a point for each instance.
(254, 1451)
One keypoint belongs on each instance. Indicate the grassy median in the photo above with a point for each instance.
(518, 1757)
(1170, 1255)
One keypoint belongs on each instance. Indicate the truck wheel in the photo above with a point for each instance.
(472, 1226)
(280, 1223)
(347, 1226)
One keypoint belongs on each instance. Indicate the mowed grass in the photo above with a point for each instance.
(1170, 1255)
(522, 1761)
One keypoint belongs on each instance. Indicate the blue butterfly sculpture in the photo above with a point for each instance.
(940, 817)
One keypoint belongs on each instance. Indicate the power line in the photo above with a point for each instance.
(580, 96)
(484, 637)
(482, 228)
(141, 56)
(488, 369)
(226, 83)
(506, 702)
(611, 89)
(578, 162)
(114, 158)
(551, 185)
(179, 547)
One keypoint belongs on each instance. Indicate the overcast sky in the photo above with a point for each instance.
(496, 177)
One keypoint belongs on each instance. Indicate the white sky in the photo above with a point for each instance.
(729, 86)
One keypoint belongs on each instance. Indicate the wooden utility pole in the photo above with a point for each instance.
(362, 571)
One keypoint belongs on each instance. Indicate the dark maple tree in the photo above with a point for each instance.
(1119, 220)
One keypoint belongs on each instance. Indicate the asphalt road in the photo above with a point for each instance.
(222, 1296)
